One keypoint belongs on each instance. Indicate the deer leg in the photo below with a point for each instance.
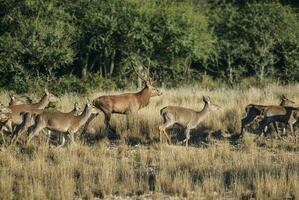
(36, 130)
(49, 137)
(163, 131)
(71, 135)
(167, 137)
(62, 143)
(187, 132)
(247, 120)
(291, 127)
(163, 128)
(128, 120)
(88, 122)
(3, 138)
(263, 124)
(18, 132)
(276, 130)
(107, 120)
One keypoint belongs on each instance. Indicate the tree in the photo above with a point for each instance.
(264, 27)
(36, 40)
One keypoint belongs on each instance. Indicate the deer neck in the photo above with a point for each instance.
(42, 103)
(84, 116)
(201, 114)
(144, 97)
(282, 103)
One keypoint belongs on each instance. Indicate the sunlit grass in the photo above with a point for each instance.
(138, 165)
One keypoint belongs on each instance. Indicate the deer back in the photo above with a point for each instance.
(18, 109)
(179, 115)
(122, 103)
(278, 113)
(55, 120)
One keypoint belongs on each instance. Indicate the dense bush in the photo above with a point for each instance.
(84, 45)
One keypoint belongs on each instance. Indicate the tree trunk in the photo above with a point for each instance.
(93, 63)
(230, 70)
(84, 68)
(139, 79)
(187, 68)
(112, 63)
(262, 72)
(106, 63)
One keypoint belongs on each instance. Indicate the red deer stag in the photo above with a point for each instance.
(128, 103)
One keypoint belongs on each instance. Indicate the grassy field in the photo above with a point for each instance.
(132, 164)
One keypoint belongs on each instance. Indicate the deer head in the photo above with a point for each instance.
(285, 100)
(76, 109)
(12, 97)
(149, 81)
(51, 97)
(207, 101)
(91, 108)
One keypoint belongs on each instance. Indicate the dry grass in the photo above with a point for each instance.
(138, 166)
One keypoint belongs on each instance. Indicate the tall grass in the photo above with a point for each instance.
(138, 165)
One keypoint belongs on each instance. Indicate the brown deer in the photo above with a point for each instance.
(127, 104)
(62, 122)
(29, 120)
(284, 114)
(185, 117)
(254, 110)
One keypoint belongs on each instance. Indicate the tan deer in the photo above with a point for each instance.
(62, 122)
(33, 109)
(253, 111)
(185, 117)
(128, 103)
(4, 118)
(29, 120)
(14, 100)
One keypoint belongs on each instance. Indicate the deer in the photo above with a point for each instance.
(62, 122)
(14, 100)
(184, 117)
(127, 103)
(284, 114)
(28, 121)
(4, 117)
(33, 109)
(4, 109)
(254, 110)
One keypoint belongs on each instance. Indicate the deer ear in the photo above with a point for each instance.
(206, 99)
(295, 114)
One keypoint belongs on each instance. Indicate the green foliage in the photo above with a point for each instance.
(82, 45)
(36, 41)
(267, 26)
(256, 39)
(83, 85)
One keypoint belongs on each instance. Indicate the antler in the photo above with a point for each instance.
(283, 96)
(145, 79)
